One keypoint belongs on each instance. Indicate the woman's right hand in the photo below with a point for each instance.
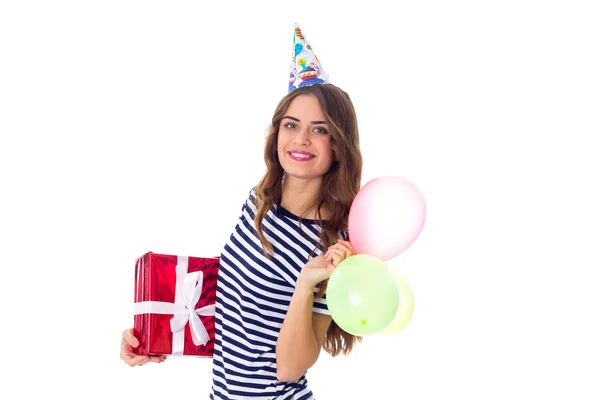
(128, 342)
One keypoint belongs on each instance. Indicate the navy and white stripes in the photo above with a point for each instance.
(253, 294)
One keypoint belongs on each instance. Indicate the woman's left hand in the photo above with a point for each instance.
(316, 270)
(339, 252)
(320, 268)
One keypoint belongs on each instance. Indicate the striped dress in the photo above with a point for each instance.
(253, 294)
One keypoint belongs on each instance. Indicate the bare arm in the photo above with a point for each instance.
(301, 336)
(303, 331)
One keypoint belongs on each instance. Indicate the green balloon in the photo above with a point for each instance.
(362, 295)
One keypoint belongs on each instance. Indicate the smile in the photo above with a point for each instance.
(300, 156)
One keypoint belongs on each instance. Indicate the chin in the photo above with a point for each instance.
(300, 175)
(302, 172)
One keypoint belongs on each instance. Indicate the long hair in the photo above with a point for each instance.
(339, 186)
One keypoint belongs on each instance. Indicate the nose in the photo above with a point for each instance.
(302, 138)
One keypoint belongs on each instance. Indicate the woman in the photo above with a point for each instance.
(271, 316)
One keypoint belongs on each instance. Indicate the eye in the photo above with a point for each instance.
(289, 125)
(321, 131)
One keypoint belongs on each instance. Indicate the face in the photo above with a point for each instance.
(303, 144)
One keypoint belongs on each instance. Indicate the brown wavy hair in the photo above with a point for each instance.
(340, 183)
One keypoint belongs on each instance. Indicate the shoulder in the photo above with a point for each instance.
(250, 200)
(251, 196)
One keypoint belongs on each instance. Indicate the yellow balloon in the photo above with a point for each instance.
(406, 303)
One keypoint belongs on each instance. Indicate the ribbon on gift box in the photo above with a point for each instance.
(188, 287)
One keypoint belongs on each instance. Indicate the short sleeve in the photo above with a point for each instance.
(320, 304)
(250, 199)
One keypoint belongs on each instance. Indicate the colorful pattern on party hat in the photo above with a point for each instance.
(305, 70)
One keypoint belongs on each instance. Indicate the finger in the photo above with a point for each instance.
(343, 247)
(133, 359)
(126, 348)
(327, 262)
(141, 360)
(157, 359)
(347, 246)
(331, 267)
(335, 251)
(130, 338)
(323, 260)
(337, 256)
(345, 243)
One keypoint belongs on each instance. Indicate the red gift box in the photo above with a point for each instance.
(175, 305)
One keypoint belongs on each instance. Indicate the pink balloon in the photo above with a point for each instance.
(386, 217)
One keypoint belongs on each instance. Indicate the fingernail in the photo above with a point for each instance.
(136, 343)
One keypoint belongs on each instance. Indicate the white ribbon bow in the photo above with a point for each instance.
(192, 288)
(188, 288)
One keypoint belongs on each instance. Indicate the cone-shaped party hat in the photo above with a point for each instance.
(305, 70)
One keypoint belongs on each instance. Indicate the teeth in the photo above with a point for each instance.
(301, 155)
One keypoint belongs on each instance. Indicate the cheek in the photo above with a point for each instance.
(282, 140)
(327, 151)
(280, 143)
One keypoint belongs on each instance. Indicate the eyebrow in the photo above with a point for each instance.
(297, 120)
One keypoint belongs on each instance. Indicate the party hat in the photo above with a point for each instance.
(305, 70)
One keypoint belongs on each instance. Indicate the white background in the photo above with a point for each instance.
(135, 126)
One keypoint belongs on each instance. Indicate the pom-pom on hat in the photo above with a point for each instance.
(305, 70)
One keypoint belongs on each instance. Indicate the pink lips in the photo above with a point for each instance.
(303, 157)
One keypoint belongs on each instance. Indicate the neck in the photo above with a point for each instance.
(299, 194)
